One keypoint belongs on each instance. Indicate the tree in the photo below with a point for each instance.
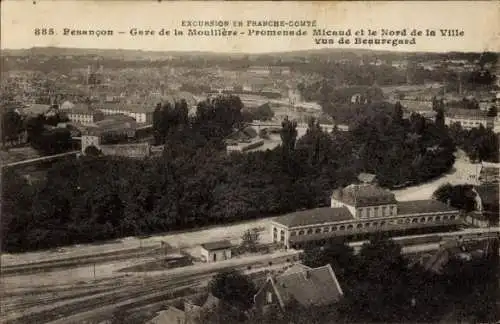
(288, 135)
(397, 115)
(458, 196)
(158, 125)
(234, 288)
(338, 254)
(11, 125)
(250, 240)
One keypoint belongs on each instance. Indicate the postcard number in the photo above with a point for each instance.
(44, 31)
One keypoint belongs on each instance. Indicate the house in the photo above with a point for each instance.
(301, 284)
(36, 109)
(141, 113)
(186, 311)
(67, 105)
(468, 118)
(243, 140)
(84, 114)
(216, 251)
(360, 209)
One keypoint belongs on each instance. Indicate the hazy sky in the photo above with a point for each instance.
(480, 22)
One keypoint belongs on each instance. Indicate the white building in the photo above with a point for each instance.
(361, 209)
(85, 115)
(216, 251)
(469, 118)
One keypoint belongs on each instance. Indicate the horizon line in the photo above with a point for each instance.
(346, 49)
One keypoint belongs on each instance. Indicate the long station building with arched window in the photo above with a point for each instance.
(361, 209)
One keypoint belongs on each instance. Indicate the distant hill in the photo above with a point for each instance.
(140, 54)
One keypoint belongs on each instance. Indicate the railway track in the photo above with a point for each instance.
(155, 288)
(44, 266)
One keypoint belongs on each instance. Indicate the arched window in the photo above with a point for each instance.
(375, 224)
(452, 217)
(400, 221)
(334, 228)
(445, 217)
(326, 229)
(359, 225)
(422, 220)
(310, 231)
(429, 219)
(301, 232)
(342, 227)
(293, 233)
(349, 227)
(414, 220)
(438, 218)
(367, 224)
(318, 230)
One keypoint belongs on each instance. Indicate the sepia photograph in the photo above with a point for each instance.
(189, 162)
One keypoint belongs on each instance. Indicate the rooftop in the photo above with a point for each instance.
(364, 195)
(81, 108)
(366, 177)
(466, 113)
(423, 207)
(219, 245)
(317, 286)
(36, 109)
(315, 216)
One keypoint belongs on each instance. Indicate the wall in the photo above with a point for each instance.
(377, 211)
(279, 234)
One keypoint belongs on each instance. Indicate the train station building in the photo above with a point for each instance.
(361, 209)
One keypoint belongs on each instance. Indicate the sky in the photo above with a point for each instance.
(480, 22)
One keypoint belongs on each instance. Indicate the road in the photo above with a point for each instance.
(457, 175)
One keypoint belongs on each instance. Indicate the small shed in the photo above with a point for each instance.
(216, 251)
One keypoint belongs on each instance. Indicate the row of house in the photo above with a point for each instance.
(87, 114)
(296, 284)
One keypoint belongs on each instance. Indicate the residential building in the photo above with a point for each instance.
(67, 105)
(114, 126)
(84, 114)
(36, 109)
(141, 113)
(360, 209)
(259, 70)
(216, 251)
(468, 118)
(186, 311)
(300, 284)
